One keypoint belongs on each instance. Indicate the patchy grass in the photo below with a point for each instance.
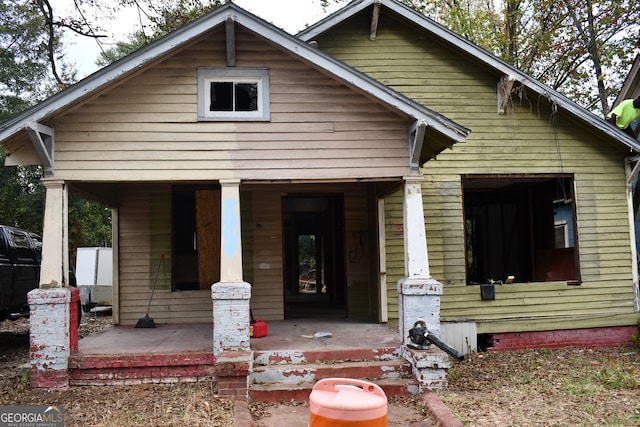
(560, 387)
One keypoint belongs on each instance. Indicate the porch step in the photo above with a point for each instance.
(290, 376)
(275, 393)
(122, 369)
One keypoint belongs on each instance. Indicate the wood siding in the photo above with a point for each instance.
(266, 247)
(146, 128)
(141, 240)
(526, 140)
(145, 233)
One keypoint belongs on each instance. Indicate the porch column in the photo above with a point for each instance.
(53, 331)
(419, 294)
(231, 295)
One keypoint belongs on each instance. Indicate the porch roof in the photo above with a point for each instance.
(463, 45)
(430, 131)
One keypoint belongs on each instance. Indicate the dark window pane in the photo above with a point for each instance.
(521, 227)
(246, 97)
(221, 96)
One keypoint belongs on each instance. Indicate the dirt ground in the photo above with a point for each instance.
(578, 387)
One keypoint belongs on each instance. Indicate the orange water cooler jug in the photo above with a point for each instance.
(345, 402)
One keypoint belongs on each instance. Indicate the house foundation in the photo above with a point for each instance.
(53, 335)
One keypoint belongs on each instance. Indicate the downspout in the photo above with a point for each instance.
(632, 167)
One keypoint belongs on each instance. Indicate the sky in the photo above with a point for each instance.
(290, 15)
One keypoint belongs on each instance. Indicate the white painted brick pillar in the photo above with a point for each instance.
(231, 296)
(419, 294)
(53, 326)
(53, 331)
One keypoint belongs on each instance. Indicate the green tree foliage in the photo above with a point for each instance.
(89, 224)
(21, 196)
(23, 56)
(29, 62)
(24, 78)
(161, 17)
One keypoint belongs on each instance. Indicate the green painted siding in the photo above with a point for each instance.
(526, 140)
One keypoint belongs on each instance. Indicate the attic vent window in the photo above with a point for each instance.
(233, 94)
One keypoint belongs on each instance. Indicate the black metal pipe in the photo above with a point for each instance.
(444, 346)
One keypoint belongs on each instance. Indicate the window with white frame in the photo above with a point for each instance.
(233, 94)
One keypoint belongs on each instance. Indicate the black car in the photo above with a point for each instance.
(20, 256)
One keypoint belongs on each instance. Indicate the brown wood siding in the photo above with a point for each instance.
(266, 247)
(138, 264)
(146, 128)
(526, 140)
(267, 299)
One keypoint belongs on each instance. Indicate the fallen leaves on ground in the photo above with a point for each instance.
(559, 387)
(544, 387)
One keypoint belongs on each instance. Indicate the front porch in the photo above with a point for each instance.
(282, 366)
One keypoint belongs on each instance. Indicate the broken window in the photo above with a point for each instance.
(520, 226)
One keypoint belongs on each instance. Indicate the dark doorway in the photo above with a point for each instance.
(313, 256)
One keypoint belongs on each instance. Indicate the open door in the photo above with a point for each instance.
(314, 256)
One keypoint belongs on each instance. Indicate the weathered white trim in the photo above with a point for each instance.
(54, 235)
(415, 240)
(416, 142)
(231, 40)
(632, 173)
(115, 274)
(42, 138)
(375, 18)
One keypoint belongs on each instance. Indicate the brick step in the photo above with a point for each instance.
(274, 393)
(301, 373)
(275, 357)
(123, 369)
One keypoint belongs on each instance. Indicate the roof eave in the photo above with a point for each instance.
(152, 52)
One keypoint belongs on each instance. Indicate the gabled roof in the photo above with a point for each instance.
(440, 128)
(465, 46)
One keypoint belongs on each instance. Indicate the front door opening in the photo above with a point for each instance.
(314, 256)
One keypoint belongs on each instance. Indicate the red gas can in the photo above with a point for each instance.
(258, 328)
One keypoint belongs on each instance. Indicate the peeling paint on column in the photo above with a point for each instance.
(230, 316)
(50, 339)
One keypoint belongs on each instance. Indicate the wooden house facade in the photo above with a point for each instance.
(246, 170)
(528, 222)
(375, 167)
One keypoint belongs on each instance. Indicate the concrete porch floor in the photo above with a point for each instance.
(297, 334)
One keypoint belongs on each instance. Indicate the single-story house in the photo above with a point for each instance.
(254, 173)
